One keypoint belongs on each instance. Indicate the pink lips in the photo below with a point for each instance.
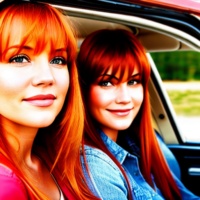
(121, 112)
(42, 100)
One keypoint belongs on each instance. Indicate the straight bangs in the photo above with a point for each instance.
(117, 61)
(42, 26)
(105, 51)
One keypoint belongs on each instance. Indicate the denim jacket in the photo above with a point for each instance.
(108, 183)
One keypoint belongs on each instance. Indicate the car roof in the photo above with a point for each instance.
(158, 29)
(181, 26)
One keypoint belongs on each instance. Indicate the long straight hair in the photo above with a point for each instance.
(120, 50)
(25, 22)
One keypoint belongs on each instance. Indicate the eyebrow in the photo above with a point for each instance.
(18, 47)
(61, 49)
(28, 47)
(138, 74)
(112, 76)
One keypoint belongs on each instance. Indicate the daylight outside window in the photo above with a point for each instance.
(180, 72)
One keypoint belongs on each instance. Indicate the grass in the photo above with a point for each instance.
(185, 102)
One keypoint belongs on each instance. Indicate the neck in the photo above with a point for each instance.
(111, 133)
(20, 139)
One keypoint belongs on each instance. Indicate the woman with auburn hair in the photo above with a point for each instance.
(114, 72)
(41, 132)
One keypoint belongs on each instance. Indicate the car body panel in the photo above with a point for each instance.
(190, 6)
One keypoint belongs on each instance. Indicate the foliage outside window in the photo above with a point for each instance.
(182, 68)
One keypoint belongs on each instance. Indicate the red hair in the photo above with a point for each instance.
(120, 50)
(25, 22)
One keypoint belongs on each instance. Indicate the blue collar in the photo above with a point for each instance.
(120, 153)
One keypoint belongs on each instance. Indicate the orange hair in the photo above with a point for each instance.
(121, 51)
(45, 25)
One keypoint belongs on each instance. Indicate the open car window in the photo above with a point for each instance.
(180, 72)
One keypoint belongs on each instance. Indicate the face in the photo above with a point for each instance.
(33, 87)
(114, 104)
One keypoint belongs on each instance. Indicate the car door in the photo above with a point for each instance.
(184, 125)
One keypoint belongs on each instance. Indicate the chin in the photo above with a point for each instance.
(43, 125)
(40, 120)
(40, 123)
(122, 126)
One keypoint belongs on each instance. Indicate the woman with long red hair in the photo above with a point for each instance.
(41, 110)
(122, 154)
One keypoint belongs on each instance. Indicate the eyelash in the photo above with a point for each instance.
(59, 58)
(11, 60)
(134, 80)
(102, 83)
(23, 56)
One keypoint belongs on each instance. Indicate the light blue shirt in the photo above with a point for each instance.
(107, 181)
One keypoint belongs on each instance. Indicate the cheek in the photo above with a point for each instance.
(138, 96)
(62, 81)
(12, 81)
(98, 98)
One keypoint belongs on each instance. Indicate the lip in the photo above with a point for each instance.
(41, 100)
(120, 112)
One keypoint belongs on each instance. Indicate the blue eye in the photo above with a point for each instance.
(58, 61)
(133, 82)
(19, 59)
(105, 83)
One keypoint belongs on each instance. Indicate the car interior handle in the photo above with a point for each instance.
(194, 171)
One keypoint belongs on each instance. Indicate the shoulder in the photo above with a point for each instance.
(101, 166)
(11, 186)
(105, 175)
(96, 155)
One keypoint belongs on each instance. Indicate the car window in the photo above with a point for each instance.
(180, 72)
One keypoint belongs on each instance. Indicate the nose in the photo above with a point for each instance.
(123, 96)
(42, 73)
